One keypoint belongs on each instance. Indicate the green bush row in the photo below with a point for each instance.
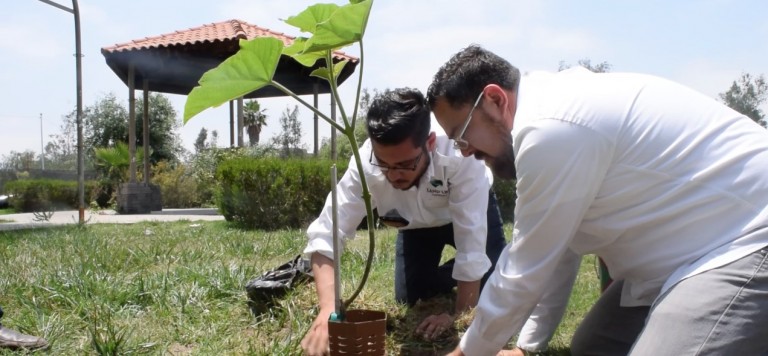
(33, 195)
(273, 193)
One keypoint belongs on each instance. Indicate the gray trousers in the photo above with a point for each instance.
(723, 311)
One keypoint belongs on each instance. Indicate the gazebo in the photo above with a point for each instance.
(174, 62)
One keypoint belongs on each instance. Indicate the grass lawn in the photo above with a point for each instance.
(6, 212)
(179, 289)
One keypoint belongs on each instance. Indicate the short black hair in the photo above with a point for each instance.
(460, 80)
(397, 115)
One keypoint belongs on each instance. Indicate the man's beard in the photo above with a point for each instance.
(404, 184)
(503, 166)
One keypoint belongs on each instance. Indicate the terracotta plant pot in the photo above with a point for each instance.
(361, 333)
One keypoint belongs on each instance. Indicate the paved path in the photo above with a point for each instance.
(27, 220)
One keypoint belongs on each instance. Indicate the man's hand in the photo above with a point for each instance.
(514, 352)
(434, 326)
(315, 342)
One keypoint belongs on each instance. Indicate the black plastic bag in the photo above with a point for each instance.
(275, 283)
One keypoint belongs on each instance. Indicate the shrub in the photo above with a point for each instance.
(32, 195)
(5, 177)
(203, 165)
(104, 194)
(178, 187)
(272, 193)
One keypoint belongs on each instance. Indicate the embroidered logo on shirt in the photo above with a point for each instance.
(436, 182)
(437, 187)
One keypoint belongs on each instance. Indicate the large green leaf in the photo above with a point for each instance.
(345, 26)
(323, 72)
(251, 68)
(296, 51)
(308, 19)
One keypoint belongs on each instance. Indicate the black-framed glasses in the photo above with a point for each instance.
(400, 166)
(459, 142)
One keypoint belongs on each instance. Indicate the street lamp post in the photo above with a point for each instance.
(75, 10)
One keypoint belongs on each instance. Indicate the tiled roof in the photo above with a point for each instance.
(230, 30)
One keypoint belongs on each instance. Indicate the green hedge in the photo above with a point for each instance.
(31, 195)
(273, 193)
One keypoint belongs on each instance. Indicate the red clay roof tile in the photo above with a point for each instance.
(220, 31)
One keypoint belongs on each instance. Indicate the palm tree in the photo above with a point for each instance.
(254, 119)
(115, 161)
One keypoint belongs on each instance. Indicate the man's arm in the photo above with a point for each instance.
(560, 170)
(315, 342)
(466, 296)
(541, 325)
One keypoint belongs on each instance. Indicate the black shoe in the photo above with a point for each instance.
(10, 339)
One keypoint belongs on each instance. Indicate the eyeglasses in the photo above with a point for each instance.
(459, 142)
(401, 167)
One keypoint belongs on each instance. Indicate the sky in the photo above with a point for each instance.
(705, 44)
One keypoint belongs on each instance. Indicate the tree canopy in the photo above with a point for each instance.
(746, 95)
(602, 67)
(106, 122)
(288, 140)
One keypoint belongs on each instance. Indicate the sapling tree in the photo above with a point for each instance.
(331, 27)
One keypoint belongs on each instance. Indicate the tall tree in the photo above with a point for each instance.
(61, 148)
(254, 119)
(603, 67)
(203, 143)
(106, 123)
(288, 141)
(213, 141)
(163, 129)
(19, 161)
(202, 136)
(746, 95)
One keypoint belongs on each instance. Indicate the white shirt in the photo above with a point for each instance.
(660, 181)
(453, 189)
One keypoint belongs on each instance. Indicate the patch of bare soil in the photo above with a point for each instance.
(412, 344)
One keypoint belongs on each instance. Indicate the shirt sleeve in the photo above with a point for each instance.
(541, 325)
(351, 210)
(559, 168)
(468, 204)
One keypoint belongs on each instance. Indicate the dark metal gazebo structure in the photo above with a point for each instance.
(174, 62)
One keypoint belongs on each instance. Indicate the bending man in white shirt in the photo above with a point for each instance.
(437, 198)
(665, 184)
